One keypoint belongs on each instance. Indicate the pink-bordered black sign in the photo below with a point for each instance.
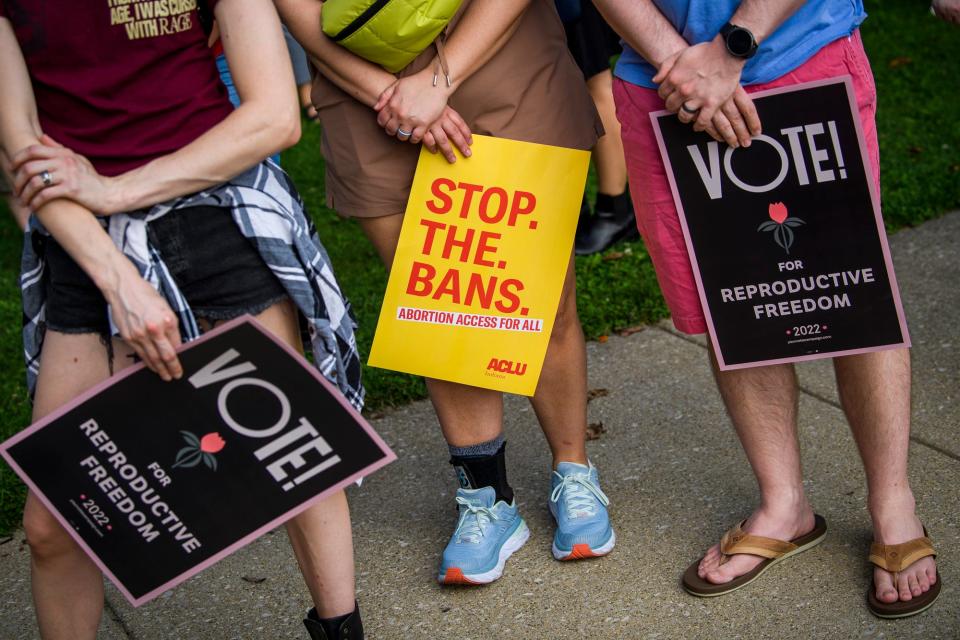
(785, 237)
(157, 481)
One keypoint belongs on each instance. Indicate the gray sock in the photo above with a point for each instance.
(481, 450)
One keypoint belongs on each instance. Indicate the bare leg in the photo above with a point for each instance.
(875, 392)
(323, 543)
(468, 415)
(67, 586)
(561, 398)
(608, 152)
(321, 535)
(762, 403)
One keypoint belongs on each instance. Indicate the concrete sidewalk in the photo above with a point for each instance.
(677, 479)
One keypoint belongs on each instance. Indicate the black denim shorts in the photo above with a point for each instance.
(218, 270)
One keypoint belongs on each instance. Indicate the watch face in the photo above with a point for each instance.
(739, 41)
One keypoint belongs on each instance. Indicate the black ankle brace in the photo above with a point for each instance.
(345, 627)
(474, 472)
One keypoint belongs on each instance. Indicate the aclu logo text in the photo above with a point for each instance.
(506, 366)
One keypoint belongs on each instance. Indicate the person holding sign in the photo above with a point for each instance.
(696, 58)
(499, 71)
(155, 215)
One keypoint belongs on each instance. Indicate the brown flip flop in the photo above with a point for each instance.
(895, 558)
(739, 541)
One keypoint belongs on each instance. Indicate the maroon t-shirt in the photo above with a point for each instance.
(119, 81)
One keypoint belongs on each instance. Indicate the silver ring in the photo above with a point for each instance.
(687, 109)
(46, 178)
(405, 134)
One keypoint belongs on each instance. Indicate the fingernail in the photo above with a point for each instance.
(468, 153)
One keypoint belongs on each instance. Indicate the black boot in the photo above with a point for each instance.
(348, 627)
(612, 222)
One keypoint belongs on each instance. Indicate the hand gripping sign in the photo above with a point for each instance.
(479, 268)
(785, 236)
(158, 480)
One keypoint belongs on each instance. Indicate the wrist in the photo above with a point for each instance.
(118, 196)
(110, 272)
(437, 79)
(722, 53)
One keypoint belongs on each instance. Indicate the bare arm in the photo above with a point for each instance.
(705, 76)
(267, 121)
(413, 102)
(482, 31)
(361, 79)
(763, 17)
(142, 316)
(643, 27)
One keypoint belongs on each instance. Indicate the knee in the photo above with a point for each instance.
(45, 536)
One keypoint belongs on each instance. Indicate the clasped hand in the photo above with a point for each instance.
(142, 317)
(701, 84)
(414, 110)
(68, 175)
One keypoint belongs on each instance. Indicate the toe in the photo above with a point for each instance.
(885, 589)
(923, 581)
(903, 587)
(710, 561)
(736, 567)
(718, 576)
(913, 584)
(932, 575)
(706, 566)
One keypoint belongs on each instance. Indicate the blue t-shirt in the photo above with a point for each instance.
(814, 25)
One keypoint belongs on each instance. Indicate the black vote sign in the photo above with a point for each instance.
(785, 236)
(158, 480)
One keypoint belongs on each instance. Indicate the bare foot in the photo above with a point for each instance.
(894, 526)
(780, 523)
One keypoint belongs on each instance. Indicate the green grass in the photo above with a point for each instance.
(918, 88)
(912, 56)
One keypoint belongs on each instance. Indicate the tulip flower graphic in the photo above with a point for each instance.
(199, 450)
(781, 225)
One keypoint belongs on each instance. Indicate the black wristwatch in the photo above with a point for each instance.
(740, 41)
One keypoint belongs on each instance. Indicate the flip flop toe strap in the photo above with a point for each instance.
(896, 557)
(739, 541)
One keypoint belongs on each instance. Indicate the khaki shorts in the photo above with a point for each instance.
(530, 90)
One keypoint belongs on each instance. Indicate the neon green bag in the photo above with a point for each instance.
(390, 33)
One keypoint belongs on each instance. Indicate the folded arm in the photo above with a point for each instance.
(729, 115)
(411, 106)
(361, 79)
(644, 28)
(705, 76)
(267, 121)
(142, 316)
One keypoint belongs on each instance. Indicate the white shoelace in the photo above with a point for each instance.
(580, 494)
(471, 529)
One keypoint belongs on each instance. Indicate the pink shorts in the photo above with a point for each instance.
(657, 216)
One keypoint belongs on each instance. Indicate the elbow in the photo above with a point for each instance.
(279, 129)
(288, 132)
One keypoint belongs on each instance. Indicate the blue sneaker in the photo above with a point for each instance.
(486, 535)
(580, 509)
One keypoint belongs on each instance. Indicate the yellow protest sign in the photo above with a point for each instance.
(479, 268)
